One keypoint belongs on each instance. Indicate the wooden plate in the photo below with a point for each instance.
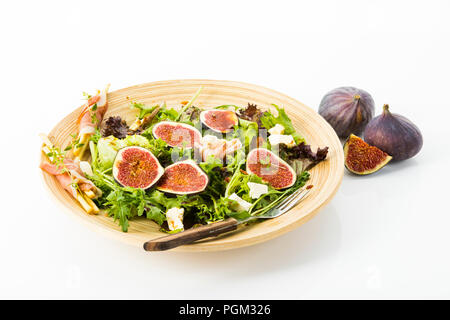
(326, 177)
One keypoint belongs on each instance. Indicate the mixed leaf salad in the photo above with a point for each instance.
(181, 166)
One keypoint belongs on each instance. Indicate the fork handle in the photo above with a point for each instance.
(191, 235)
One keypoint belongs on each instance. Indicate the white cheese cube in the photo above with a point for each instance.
(288, 140)
(257, 189)
(242, 204)
(175, 218)
(277, 129)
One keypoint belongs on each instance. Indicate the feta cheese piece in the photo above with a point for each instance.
(86, 168)
(242, 204)
(257, 189)
(277, 129)
(175, 218)
(288, 140)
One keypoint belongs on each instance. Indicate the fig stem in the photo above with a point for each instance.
(386, 108)
(356, 97)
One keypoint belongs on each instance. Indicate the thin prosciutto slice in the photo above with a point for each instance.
(218, 148)
(87, 123)
(89, 119)
(71, 178)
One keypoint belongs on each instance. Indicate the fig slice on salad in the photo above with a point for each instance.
(184, 177)
(136, 167)
(219, 120)
(362, 158)
(177, 134)
(270, 168)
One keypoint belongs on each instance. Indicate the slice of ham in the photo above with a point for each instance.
(65, 180)
(54, 170)
(71, 177)
(86, 123)
(218, 148)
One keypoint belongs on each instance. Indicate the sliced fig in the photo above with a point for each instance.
(136, 167)
(270, 168)
(177, 134)
(184, 177)
(219, 120)
(362, 158)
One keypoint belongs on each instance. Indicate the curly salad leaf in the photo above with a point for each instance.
(116, 127)
(251, 113)
(301, 157)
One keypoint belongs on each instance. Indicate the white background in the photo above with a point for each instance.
(382, 236)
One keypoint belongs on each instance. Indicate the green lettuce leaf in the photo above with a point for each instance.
(109, 146)
(137, 140)
(143, 109)
(155, 214)
(268, 120)
(247, 132)
(107, 151)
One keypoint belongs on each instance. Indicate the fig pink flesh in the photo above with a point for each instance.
(183, 178)
(137, 168)
(177, 135)
(220, 120)
(270, 169)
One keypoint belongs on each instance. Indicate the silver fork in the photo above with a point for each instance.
(217, 228)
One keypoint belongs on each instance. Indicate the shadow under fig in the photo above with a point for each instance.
(391, 168)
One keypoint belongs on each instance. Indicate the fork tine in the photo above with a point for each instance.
(288, 206)
(284, 204)
(288, 199)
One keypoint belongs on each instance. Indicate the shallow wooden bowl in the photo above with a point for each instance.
(326, 177)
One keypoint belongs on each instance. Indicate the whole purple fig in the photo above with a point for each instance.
(347, 109)
(394, 134)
